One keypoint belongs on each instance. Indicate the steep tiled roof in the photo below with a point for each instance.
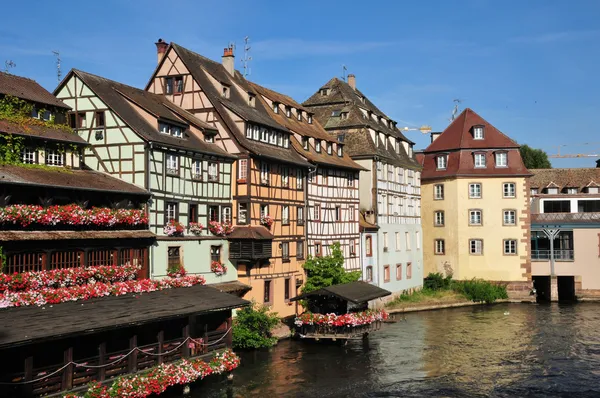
(201, 68)
(121, 99)
(28, 89)
(40, 131)
(565, 178)
(303, 128)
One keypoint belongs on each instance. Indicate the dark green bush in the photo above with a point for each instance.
(252, 328)
(437, 281)
(480, 291)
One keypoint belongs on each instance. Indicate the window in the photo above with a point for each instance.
(100, 119)
(329, 148)
(215, 253)
(442, 162)
(280, 139)
(226, 215)
(340, 150)
(552, 191)
(509, 217)
(407, 238)
(589, 190)
(299, 179)
(213, 213)
(317, 212)
(338, 213)
(285, 177)
(173, 256)
(225, 91)
(81, 121)
(390, 170)
(351, 213)
(534, 191)
(288, 111)
(478, 132)
(369, 274)
(251, 100)
(318, 252)
(300, 215)
(267, 292)
(178, 85)
(54, 158)
(439, 246)
(192, 213)
(588, 206)
(172, 164)
(197, 169)
(438, 219)
(168, 85)
(242, 213)
(572, 191)
(285, 215)
(29, 155)
(418, 240)
(386, 273)
(501, 159)
(213, 171)
(510, 246)
(385, 242)
(476, 246)
(408, 270)
(369, 246)
(352, 247)
(398, 272)
(317, 145)
(264, 173)
(72, 120)
(285, 252)
(310, 118)
(557, 206)
(438, 192)
(324, 92)
(286, 289)
(176, 131)
(480, 160)
(509, 190)
(474, 217)
(475, 190)
(300, 249)
(276, 107)
(171, 210)
(398, 241)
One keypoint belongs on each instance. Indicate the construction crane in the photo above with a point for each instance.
(558, 155)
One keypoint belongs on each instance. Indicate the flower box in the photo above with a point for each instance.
(174, 228)
(329, 321)
(220, 229)
(195, 228)
(218, 268)
(266, 220)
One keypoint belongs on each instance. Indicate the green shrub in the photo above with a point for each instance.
(437, 281)
(252, 327)
(480, 291)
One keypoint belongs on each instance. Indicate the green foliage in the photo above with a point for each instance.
(437, 281)
(534, 158)
(252, 327)
(3, 259)
(327, 270)
(478, 290)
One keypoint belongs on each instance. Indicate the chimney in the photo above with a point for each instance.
(352, 81)
(161, 48)
(435, 135)
(228, 60)
(370, 216)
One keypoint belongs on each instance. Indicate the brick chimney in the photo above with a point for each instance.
(228, 60)
(352, 81)
(161, 48)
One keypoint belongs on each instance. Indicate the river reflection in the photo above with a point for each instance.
(497, 351)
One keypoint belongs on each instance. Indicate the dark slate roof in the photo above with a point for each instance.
(201, 67)
(25, 325)
(565, 178)
(28, 89)
(233, 287)
(250, 232)
(67, 179)
(120, 97)
(36, 129)
(355, 292)
(70, 235)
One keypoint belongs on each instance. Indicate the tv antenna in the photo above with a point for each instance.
(58, 73)
(455, 110)
(344, 70)
(8, 64)
(247, 58)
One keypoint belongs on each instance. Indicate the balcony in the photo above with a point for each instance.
(559, 255)
(250, 243)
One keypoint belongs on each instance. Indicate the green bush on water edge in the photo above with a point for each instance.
(252, 327)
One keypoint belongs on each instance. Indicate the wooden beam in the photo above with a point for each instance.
(185, 350)
(67, 376)
(161, 342)
(27, 388)
(132, 365)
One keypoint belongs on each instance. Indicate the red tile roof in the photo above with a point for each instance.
(24, 88)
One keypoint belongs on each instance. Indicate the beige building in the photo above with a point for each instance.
(475, 200)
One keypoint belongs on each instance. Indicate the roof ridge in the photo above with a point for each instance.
(197, 54)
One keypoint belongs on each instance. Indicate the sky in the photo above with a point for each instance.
(531, 68)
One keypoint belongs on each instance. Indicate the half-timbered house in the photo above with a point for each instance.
(268, 241)
(147, 140)
(333, 205)
(390, 186)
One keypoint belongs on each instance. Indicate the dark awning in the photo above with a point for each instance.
(355, 292)
(8, 236)
(250, 232)
(19, 326)
(232, 287)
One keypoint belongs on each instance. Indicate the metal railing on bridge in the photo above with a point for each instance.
(559, 255)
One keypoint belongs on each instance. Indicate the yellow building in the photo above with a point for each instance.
(475, 204)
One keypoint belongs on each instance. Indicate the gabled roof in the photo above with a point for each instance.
(28, 89)
(201, 67)
(122, 100)
(36, 129)
(355, 292)
(579, 178)
(459, 135)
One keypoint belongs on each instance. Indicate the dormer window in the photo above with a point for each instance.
(410, 151)
(442, 162)
(251, 100)
(478, 132)
(286, 141)
(501, 159)
(288, 111)
(276, 107)
(329, 148)
(344, 115)
(363, 99)
(340, 150)
(225, 91)
(299, 115)
(592, 190)
(310, 117)
(318, 145)
(324, 92)
(397, 146)
(552, 191)
(480, 160)
(305, 143)
(175, 131)
(209, 138)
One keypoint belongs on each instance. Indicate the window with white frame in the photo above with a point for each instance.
(475, 217)
(534, 191)
(305, 143)
(288, 111)
(285, 215)
(264, 173)
(438, 218)
(407, 239)
(29, 155)
(226, 215)
(276, 107)
(196, 169)
(475, 190)
(329, 148)
(242, 169)
(299, 114)
(300, 215)
(299, 179)
(170, 211)
(175, 131)
(476, 246)
(54, 157)
(480, 160)
(418, 240)
(478, 132)
(264, 210)
(509, 217)
(438, 191)
(509, 190)
(351, 179)
(340, 150)
(398, 241)
(242, 213)
(248, 131)
(400, 172)
(285, 177)
(442, 162)
(510, 246)
(317, 145)
(501, 159)
(310, 118)
(351, 214)
(213, 171)
(172, 164)
(317, 212)
(264, 134)
(572, 191)
(379, 170)
(439, 246)
(385, 241)
(279, 139)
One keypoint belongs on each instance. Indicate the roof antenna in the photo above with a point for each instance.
(344, 69)
(247, 58)
(455, 110)
(8, 64)
(58, 73)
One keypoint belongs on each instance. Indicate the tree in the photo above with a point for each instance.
(534, 158)
(327, 270)
(252, 327)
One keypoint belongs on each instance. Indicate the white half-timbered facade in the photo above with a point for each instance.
(146, 140)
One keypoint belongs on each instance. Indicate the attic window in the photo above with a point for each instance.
(442, 162)
(592, 190)
(288, 111)
(324, 92)
(251, 100)
(552, 191)
(225, 91)
(318, 145)
(397, 146)
(572, 191)
(209, 138)
(478, 132)
(329, 148)
(341, 137)
(309, 118)
(276, 107)
(344, 115)
(363, 99)
(305, 143)
(336, 113)
(299, 115)
(175, 131)
(340, 150)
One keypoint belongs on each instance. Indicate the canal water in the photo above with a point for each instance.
(503, 350)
